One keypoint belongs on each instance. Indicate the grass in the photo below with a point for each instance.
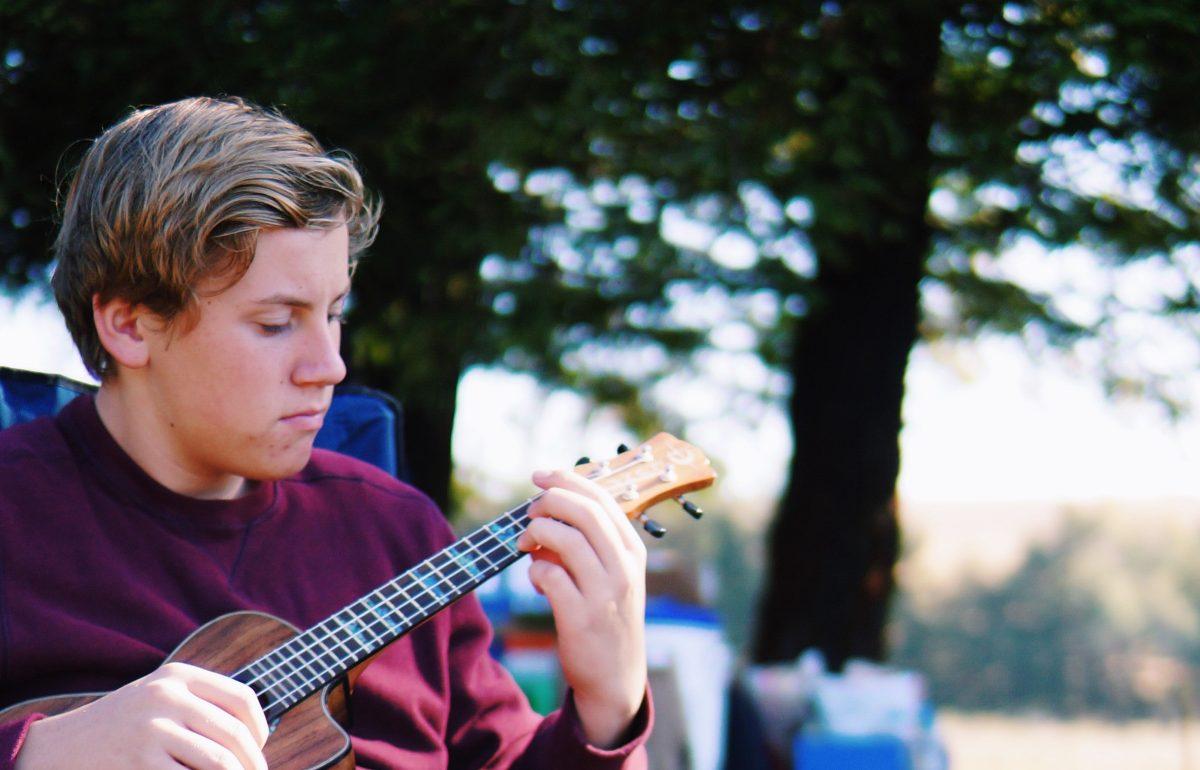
(998, 742)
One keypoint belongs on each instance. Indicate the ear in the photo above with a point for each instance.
(121, 327)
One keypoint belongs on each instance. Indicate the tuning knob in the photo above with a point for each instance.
(692, 509)
(653, 527)
(622, 449)
(583, 460)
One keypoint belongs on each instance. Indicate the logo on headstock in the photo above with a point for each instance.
(681, 454)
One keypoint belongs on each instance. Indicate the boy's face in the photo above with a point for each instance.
(243, 392)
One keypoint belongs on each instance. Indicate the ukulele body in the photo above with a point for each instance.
(308, 736)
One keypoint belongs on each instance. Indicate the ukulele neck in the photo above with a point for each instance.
(328, 650)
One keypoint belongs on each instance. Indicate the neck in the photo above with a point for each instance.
(328, 650)
(133, 423)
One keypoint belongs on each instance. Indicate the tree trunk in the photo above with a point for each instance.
(834, 541)
(427, 433)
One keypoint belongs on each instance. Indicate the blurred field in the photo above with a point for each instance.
(993, 742)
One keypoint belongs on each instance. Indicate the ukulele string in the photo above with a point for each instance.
(496, 546)
(499, 546)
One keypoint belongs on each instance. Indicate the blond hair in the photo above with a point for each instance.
(177, 193)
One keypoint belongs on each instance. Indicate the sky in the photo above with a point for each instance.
(983, 423)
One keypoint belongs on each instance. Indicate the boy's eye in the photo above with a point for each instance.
(270, 329)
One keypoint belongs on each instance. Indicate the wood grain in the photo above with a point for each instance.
(308, 737)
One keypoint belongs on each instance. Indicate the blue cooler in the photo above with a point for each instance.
(823, 751)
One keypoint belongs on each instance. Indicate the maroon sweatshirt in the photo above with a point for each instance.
(103, 572)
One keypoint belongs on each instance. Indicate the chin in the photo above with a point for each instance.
(278, 468)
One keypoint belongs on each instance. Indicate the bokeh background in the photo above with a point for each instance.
(920, 277)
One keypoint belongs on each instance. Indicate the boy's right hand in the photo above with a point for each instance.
(177, 715)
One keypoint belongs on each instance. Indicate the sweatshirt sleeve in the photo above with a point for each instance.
(12, 737)
(490, 716)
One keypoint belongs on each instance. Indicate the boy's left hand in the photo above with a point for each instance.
(590, 563)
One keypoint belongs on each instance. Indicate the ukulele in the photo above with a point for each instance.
(303, 678)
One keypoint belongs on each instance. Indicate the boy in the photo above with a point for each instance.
(203, 262)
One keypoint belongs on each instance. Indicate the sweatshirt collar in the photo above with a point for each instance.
(100, 454)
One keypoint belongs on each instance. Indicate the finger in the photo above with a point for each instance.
(588, 487)
(223, 728)
(584, 514)
(552, 581)
(545, 554)
(195, 751)
(232, 696)
(621, 526)
(572, 549)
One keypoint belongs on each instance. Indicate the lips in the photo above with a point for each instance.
(310, 419)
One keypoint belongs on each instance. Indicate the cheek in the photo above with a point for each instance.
(233, 386)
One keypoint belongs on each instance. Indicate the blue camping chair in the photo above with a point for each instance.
(362, 422)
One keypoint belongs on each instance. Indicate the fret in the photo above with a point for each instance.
(479, 557)
(457, 577)
(331, 633)
(340, 636)
(302, 664)
(505, 534)
(395, 585)
(327, 650)
(429, 583)
(264, 677)
(392, 616)
(304, 683)
(417, 594)
(285, 680)
(467, 569)
(310, 645)
(431, 562)
(391, 609)
(366, 620)
(309, 669)
(323, 652)
(374, 604)
(285, 667)
(443, 566)
(359, 634)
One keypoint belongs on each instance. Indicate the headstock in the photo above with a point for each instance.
(662, 467)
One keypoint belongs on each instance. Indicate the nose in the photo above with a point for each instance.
(320, 361)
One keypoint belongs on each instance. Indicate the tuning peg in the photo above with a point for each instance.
(583, 460)
(622, 449)
(692, 509)
(653, 527)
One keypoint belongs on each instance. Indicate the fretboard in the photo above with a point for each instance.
(324, 653)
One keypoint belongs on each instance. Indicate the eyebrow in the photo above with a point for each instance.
(297, 302)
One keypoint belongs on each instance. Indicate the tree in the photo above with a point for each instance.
(1100, 619)
(982, 105)
(909, 146)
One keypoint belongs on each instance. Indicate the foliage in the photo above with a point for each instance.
(589, 191)
(1103, 619)
(428, 95)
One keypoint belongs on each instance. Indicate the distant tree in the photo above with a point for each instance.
(1103, 619)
